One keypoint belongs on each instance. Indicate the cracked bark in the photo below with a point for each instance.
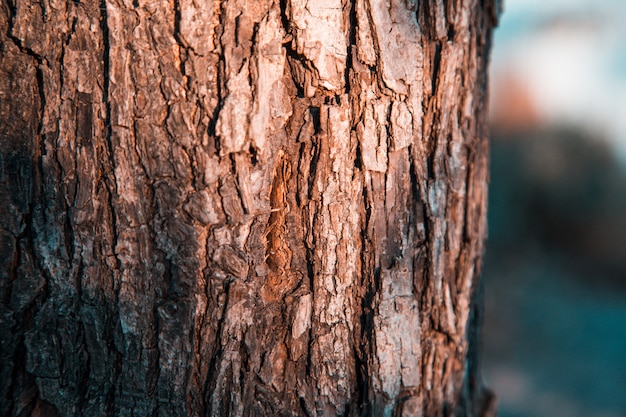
(233, 208)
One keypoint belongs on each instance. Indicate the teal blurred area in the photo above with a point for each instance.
(555, 267)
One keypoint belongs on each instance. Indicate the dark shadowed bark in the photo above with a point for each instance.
(242, 208)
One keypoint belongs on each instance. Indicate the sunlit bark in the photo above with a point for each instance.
(228, 208)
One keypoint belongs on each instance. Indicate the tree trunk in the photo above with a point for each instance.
(234, 208)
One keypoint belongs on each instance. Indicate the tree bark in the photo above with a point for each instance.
(233, 208)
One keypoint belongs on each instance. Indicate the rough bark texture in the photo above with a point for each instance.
(235, 208)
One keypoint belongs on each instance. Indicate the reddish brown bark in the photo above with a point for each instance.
(242, 208)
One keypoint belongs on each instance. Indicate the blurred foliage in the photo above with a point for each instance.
(555, 272)
(561, 192)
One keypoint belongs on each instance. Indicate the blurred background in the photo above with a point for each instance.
(555, 268)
